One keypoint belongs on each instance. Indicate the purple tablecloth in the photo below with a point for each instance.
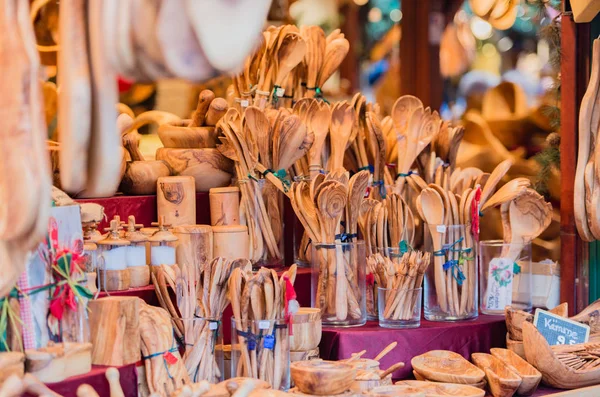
(464, 337)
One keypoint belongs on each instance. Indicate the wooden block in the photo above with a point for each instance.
(114, 326)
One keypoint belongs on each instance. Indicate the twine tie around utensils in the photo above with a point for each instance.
(407, 174)
(454, 265)
(278, 92)
(368, 167)
(346, 237)
(379, 185)
(318, 92)
(281, 175)
(167, 356)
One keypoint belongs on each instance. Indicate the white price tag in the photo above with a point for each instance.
(244, 103)
(213, 326)
(280, 91)
(264, 324)
(441, 228)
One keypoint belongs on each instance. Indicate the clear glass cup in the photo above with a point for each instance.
(203, 348)
(260, 349)
(339, 283)
(302, 243)
(267, 197)
(505, 276)
(399, 308)
(395, 255)
(450, 288)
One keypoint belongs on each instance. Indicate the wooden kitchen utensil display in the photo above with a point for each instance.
(176, 200)
(114, 321)
(224, 206)
(112, 260)
(261, 302)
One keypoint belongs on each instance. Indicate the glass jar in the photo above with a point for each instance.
(139, 272)
(269, 198)
(260, 349)
(399, 308)
(339, 283)
(450, 290)
(112, 260)
(505, 276)
(203, 348)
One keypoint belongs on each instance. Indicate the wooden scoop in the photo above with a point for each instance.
(204, 100)
(506, 193)
(385, 351)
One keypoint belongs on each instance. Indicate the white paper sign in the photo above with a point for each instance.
(500, 284)
(263, 324)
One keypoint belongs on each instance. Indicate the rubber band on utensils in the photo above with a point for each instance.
(346, 237)
(450, 248)
(406, 175)
(368, 167)
(455, 270)
(250, 338)
(318, 93)
(278, 92)
(167, 356)
(281, 175)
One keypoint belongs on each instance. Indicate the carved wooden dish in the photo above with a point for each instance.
(208, 166)
(177, 134)
(530, 376)
(447, 366)
(347, 393)
(55, 363)
(479, 385)
(564, 367)
(503, 382)
(362, 363)
(515, 319)
(436, 389)
(397, 391)
(321, 377)
(515, 346)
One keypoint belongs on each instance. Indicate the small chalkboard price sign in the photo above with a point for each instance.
(559, 330)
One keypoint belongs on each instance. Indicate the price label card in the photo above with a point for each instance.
(279, 92)
(212, 325)
(559, 330)
(441, 228)
(263, 324)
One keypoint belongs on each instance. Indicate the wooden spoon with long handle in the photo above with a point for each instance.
(342, 121)
(499, 172)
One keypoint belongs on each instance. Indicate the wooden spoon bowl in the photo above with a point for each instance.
(177, 134)
(318, 377)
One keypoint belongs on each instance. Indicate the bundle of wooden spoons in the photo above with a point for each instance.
(261, 304)
(399, 275)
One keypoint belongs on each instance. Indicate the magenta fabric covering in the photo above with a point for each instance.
(97, 379)
(463, 337)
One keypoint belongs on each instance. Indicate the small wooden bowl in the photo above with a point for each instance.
(515, 346)
(420, 377)
(501, 379)
(307, 328)
(208, 166)
(447, 366)
(177, 134)
(319, 377)
(304, 355)
(531, 377)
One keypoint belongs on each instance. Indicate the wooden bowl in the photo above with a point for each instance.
(320, 378)
(444, 389)
(306, 326)
(363, 363)
(396, 391)
(447, 366)
(177, 134)
(304, 355)
(515, 346)
(501, 379)
(479, 385)
(530, 376)
(141, 176)
(208, 166)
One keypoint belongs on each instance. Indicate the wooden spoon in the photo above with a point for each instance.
(289, 55)
(498, 173)
(342, 121)
(318, 122)
(507, 192)
(260, 128)
(335, 52)
(432, 207)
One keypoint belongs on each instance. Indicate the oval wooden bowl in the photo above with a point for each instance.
(435, 389)
(479, 385)
(322, 377)
(515, 346)
(447, 366)
(530, 376)
(140, 176)
(177, 134)
(208, 166)
(396, 391)
(514, 322)
(306, 325)
(502, 380)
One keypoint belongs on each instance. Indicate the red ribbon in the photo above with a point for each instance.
(370, 279)
(290, 293)
(475, 214)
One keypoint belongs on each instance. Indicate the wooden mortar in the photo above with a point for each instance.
(306, 325)
(224, 206)
(177, 134)
(208, 166)
(140, 176)
(231, 242)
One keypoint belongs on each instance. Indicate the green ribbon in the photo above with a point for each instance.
(281, 175)
(6, 314)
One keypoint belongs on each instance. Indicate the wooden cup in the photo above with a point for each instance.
(306, 325)
(176, 200)
(231, 242)
(224, 206)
